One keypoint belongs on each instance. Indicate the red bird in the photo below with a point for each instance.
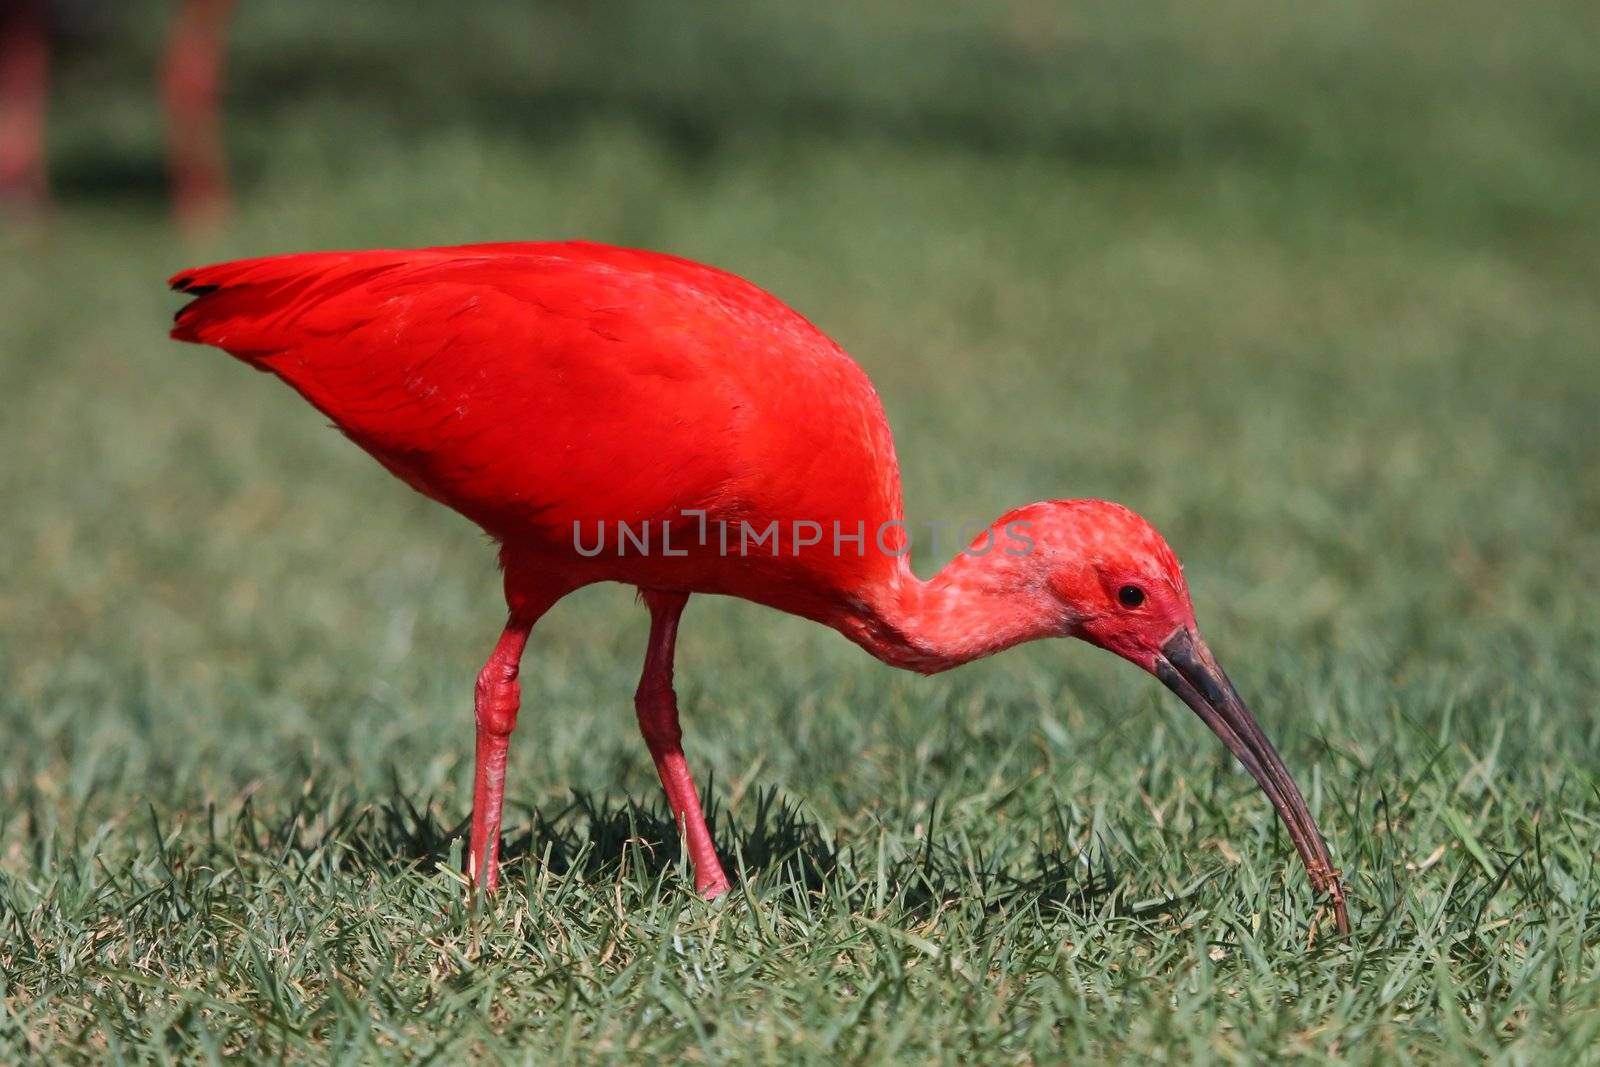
(613, 415)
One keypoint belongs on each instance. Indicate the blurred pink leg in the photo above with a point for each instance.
(24, 89)
(192, 85)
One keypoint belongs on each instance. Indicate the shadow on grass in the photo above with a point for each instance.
(600, 839)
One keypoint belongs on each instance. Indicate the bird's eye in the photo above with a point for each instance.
(1130, 596)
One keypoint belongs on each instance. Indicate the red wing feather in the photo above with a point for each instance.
(531, 386)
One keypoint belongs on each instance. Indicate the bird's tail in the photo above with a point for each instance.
(253, 308)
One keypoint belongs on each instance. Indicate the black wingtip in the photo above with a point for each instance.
(185, 284)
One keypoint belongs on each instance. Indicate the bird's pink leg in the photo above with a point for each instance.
(192, 85)
(24, 85)
(657, 706)
(498, 697)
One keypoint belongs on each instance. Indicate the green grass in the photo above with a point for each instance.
(1313, 290)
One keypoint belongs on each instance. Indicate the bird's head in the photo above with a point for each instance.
(1117, 585)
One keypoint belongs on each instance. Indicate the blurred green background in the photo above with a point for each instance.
(1312, 288)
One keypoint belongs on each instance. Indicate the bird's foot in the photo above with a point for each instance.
(712, 888)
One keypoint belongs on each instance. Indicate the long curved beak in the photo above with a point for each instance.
(1187, 668)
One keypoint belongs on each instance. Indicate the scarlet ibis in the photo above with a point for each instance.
(191, 87)
(616, 415)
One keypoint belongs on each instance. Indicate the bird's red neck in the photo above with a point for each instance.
(976, 606)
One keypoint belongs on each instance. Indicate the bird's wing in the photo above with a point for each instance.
(525, 386)
(535, 388)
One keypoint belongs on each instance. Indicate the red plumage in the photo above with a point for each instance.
(533, 387)
(549, 391)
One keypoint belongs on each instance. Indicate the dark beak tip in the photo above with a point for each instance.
(1187, 667)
